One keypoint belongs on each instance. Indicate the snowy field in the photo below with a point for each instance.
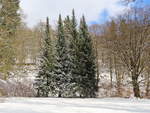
(54, 105)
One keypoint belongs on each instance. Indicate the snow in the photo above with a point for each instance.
(70, 105)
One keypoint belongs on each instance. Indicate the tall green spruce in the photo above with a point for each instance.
(71, 34)
(9, 21)
(61, 72)
(86, 63)
(44, 78)
(73, 53)
(70, 54)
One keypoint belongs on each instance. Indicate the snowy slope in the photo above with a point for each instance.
(55, 105)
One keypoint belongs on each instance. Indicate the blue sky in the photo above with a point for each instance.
(146, 2)
(103, 17)
(95, 11)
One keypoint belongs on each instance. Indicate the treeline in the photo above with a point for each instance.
(17, 41)
(9, 21)
(19, 49)
(19, 45)
(123, 47)
(67, 66)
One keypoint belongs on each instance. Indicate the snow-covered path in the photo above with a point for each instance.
(55, 105)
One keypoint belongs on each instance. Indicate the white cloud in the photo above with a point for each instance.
(37, 10)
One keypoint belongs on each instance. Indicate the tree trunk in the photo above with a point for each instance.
(47, 93)
(97, 64)
(110, 70)
(135, 84)
(147, 89)
(59, 95)
(147, 85)
(38, 93)
(118, 77)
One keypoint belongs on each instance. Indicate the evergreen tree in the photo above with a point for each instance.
(86, 66)
(73, 47)
(70, 64)
(44, 78)
(9, 21)
(61, 66)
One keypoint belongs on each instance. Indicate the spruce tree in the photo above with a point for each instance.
(70, 64)
(44, 78)
(86, 66)
(73, 47)
(61, 66)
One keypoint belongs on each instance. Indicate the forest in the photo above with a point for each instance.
(74, 59)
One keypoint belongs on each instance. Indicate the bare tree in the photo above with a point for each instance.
(130, 44)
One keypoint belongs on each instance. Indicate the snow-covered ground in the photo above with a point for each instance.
(58, 105)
